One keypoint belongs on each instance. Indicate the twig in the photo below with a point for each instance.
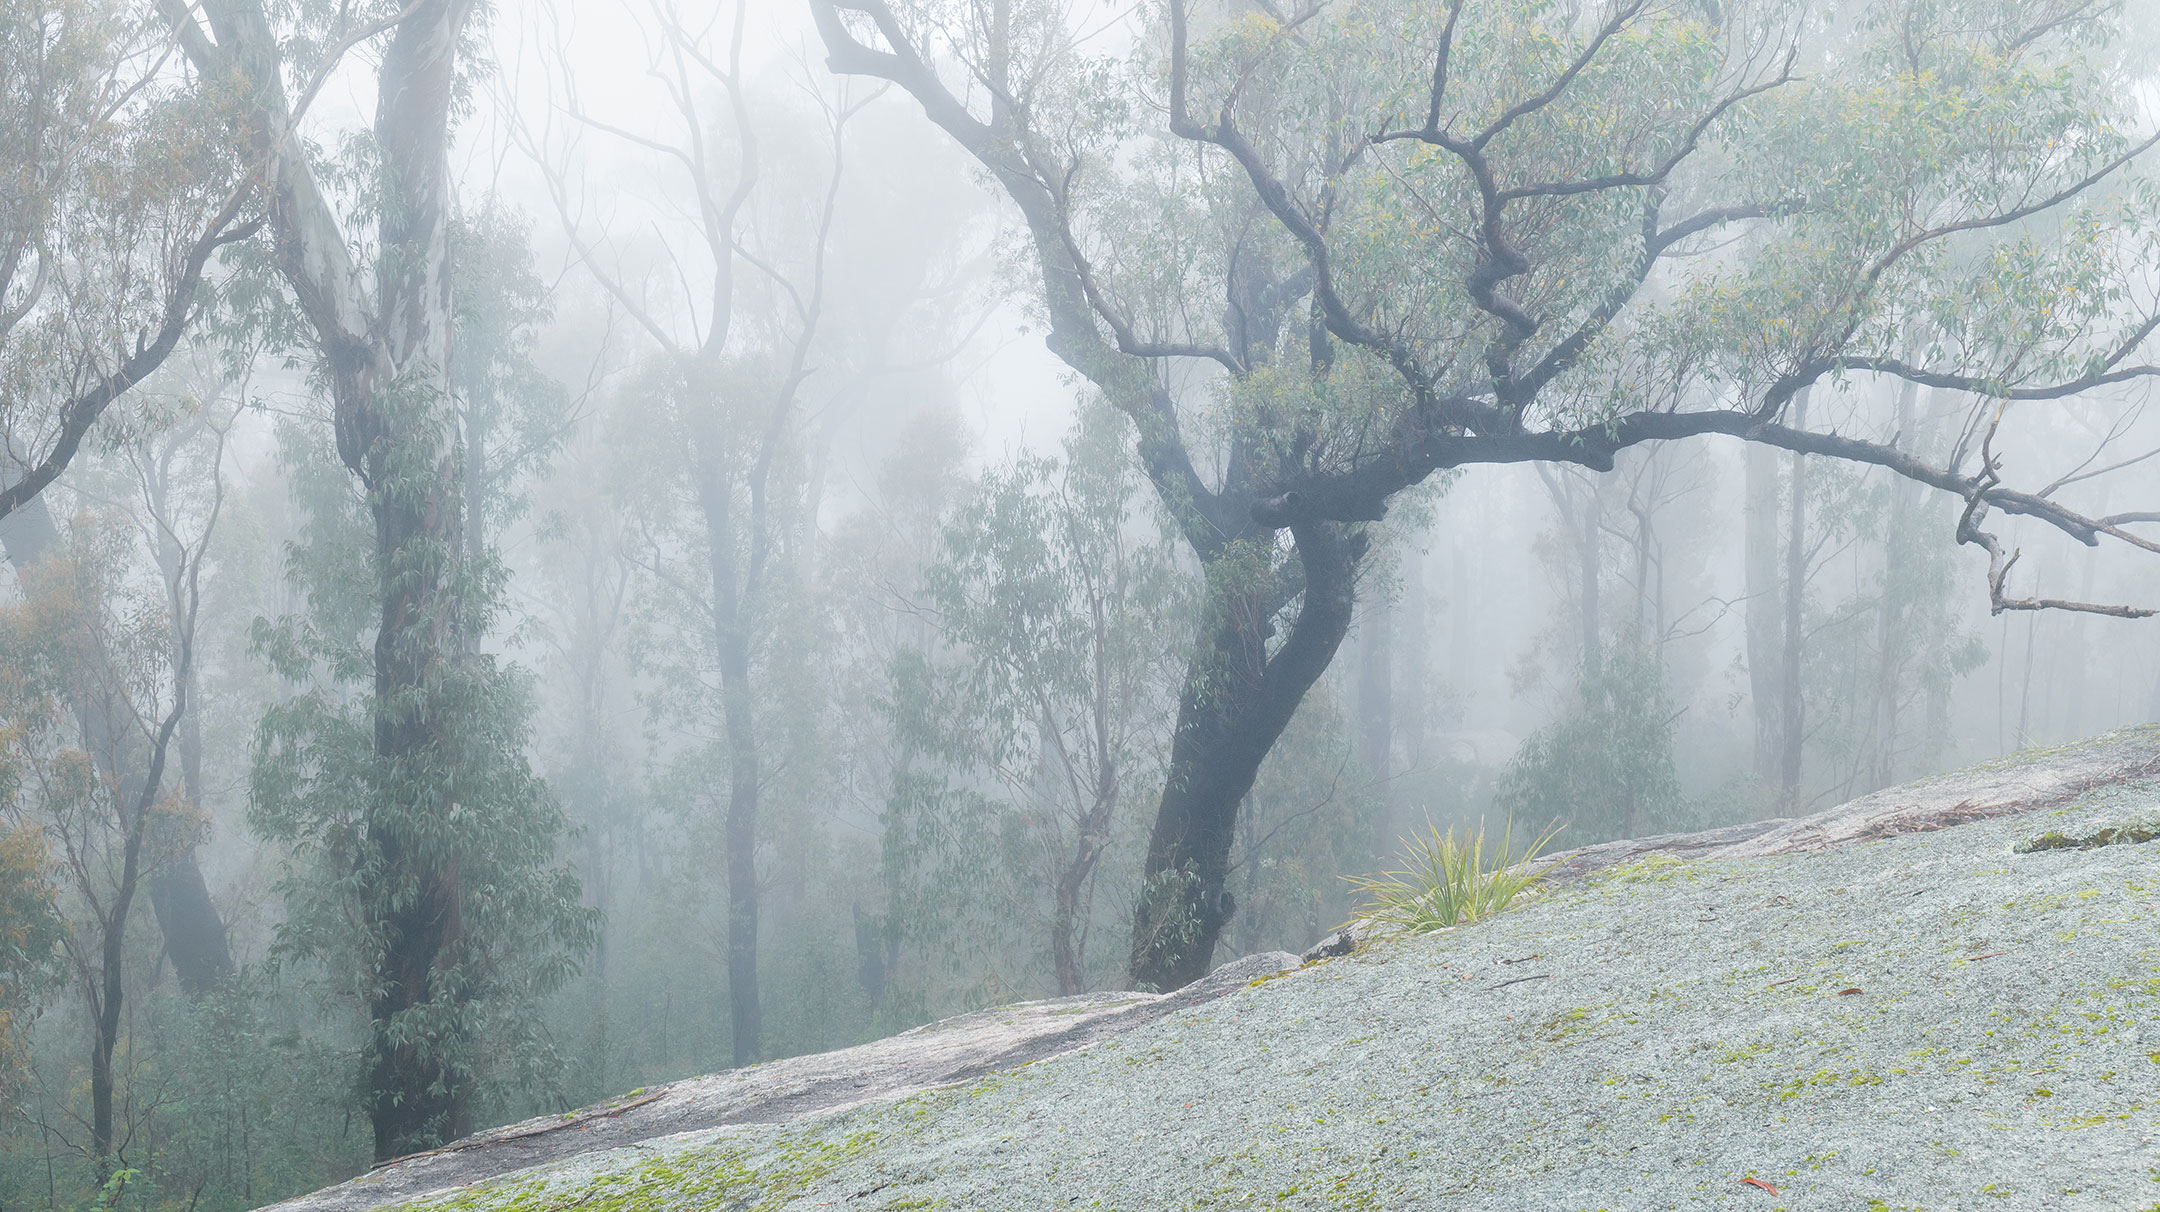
(1543, 976)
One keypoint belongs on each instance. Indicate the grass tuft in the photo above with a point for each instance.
(1445, 880)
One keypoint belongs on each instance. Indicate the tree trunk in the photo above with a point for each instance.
(1235, 702)
(195, 939)
(179, 897)
(1072, 899)
(105, 1000)
(1376, 711)
(732, 609)
(741, 835)
(1412, 722)
(1765, 610)
(1897, 588)
(418, 1098)
(1069, 899)
(386, 353)
(105, 1031)
(1791, 704)
(397, 430)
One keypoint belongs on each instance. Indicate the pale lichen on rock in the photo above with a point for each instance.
(1879, 1010)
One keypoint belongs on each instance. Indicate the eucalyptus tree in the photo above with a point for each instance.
(1870, 603)
(433, 889)
(1060, 612)
(511, 416)
(89, 629)
(114, 201)
(726, 389)
(1317, 256)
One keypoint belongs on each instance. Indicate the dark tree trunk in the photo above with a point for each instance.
(108, 987)
(105, 1030)
(417, 1098)
(179, 896)
(397, 431)
(386, 353)
(1236, 701)
(195, 939)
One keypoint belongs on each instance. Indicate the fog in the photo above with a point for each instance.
(559, 547)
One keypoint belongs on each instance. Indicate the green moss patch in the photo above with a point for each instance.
(2128, 833)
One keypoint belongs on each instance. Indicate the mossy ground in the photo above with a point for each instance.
(1927, 1022)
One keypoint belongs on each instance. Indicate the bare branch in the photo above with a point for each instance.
(1999, 565)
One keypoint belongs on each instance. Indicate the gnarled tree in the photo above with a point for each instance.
(1317, 256)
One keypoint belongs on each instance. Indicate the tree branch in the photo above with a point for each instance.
(78, 414)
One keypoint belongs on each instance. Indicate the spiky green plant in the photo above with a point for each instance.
(1446, 881)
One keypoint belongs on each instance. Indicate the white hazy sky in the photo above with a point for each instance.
(1011, 388)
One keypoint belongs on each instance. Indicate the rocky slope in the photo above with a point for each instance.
(1864, 1009)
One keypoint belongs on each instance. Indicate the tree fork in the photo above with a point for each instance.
(1236, 700)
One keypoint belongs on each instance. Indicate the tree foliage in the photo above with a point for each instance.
(468, 803)
(1044, 712)
(115, 194)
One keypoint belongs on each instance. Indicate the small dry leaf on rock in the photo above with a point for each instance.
(1847, 992)
(1756, 1182)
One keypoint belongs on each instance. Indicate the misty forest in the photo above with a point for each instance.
(557, 545)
